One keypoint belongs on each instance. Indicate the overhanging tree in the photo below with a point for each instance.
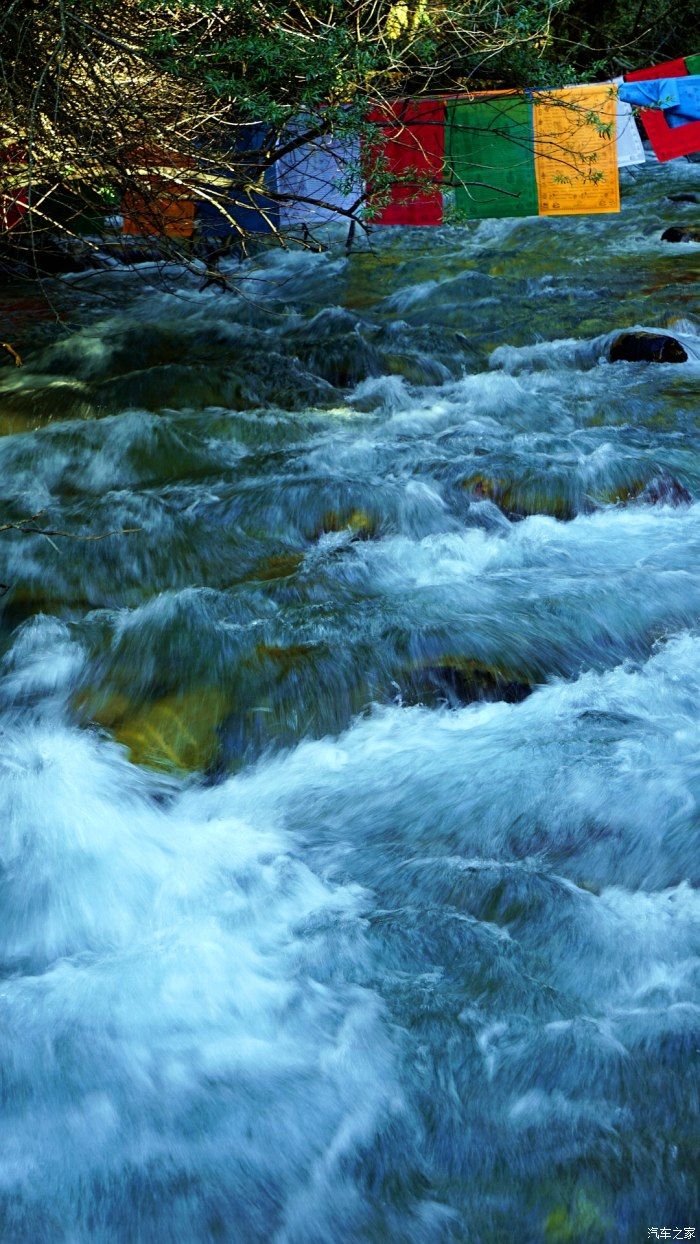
(159, 101)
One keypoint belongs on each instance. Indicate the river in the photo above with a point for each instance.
(350, 801)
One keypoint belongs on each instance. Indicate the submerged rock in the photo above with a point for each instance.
(29, 403)
(364, 526)
(459, 681)
(661, 489)
(50, 257)
(178, 733)
(532, 495)
(277, 566)
(334, 347)
(681, 233)
(664, 489)
(646, 347)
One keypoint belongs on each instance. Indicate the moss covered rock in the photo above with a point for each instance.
(178, 733)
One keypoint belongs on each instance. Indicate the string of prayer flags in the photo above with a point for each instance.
(428, 161)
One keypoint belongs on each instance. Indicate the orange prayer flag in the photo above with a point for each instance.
(163, 216)
(576, 151)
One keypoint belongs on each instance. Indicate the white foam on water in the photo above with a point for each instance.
(582, 354)
(179, 1063)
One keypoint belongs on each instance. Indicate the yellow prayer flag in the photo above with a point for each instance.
(575, 151)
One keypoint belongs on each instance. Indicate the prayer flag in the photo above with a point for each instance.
(321, 171)
(413, 148)
(678, 98)
(576, 151)
(168, 210)
(240, 198)
(161, 216)
(669, 69)
(668, 141)
(490, 157)
(630, 149)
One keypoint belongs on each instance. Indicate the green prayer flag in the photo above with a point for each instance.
(692, 63)
(490, 157)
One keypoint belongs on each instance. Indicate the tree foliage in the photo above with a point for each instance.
(156, 97)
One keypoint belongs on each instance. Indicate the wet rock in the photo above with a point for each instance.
(178, 733)
(51, 258)
(485, 488)
(523, 498)
(621, 493)
(43, 400)
(363, 526)
(284, 659)
(278, 566)
(334, 348)
(687, 196)
(664, 489)
(459, 681)
(137, 251)
(643, 347)
(681, 233)
(266, 380)
(582, 1220)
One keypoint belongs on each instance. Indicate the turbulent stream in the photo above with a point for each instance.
(349, 802)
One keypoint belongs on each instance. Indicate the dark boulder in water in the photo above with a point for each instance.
(687, 196)
(642, 347)
(464, 682)
(681, 233)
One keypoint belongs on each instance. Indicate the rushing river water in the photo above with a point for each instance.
(349, 803)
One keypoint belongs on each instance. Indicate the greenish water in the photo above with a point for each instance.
(350, 800)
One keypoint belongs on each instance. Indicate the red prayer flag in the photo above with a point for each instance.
(670, 142)
(414, 142)
(669, 69)
(12, 206)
